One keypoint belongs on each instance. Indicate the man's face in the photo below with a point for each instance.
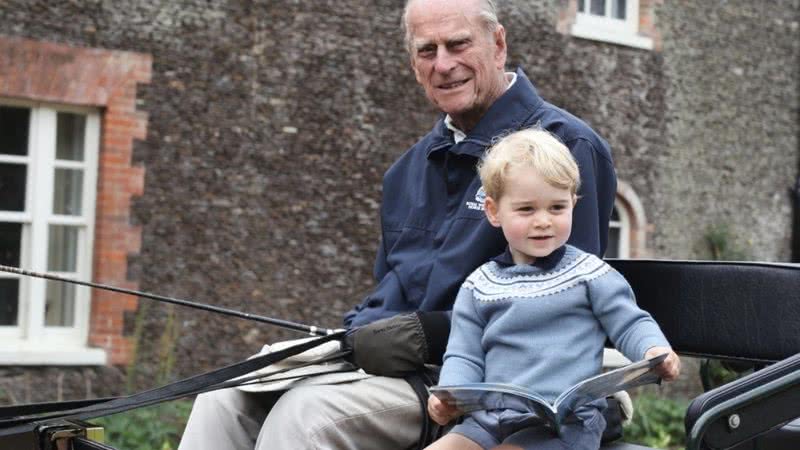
(456, 59)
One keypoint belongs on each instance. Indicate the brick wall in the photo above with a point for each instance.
(57, 73)
(647, 22)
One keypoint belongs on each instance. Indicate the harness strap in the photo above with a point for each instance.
(186, 387)
(14, 411)
(80, 443)
(430, 431)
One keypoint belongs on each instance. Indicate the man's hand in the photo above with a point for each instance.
(441, 412)
(670, 368)
(390, 347)
(401, 344)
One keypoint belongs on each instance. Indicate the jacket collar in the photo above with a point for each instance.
(509, 112)
(544, 263)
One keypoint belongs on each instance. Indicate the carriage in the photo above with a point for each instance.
(742, 312)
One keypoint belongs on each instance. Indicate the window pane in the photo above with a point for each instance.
(12, 186)
(612, 251)
(581, 5)
(10, 242)
(618, 9)
(59, 309)
(63, 248)
(598, 7)
(9, 301)
(69, 136)
(14, 130)
(614, 214)
(67, 190)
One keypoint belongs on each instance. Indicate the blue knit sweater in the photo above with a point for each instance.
(544, 326)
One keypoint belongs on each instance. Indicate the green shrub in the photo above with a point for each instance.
(153, 428)
(657, 422)
(723, 246)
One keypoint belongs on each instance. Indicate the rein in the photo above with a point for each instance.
(310, 329)
(237, 374)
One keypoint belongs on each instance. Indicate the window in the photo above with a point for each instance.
(614, 21)
(628, 227)
(48, 172)
(626, 239)
(619, 230)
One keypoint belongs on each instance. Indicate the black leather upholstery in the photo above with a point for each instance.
(742, 311)
(731, 311)
(784, 438)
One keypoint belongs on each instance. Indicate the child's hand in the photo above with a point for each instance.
(670, 368)
(440, 411)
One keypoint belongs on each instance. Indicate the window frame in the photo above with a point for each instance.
(609, 29)
(631, 224)
(30, 341)
(624, 227)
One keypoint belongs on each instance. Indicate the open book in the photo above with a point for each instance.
(476, 396)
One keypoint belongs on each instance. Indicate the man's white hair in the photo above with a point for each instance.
(488, 14)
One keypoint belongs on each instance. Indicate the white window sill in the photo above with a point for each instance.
(612, 36)
(28, 355)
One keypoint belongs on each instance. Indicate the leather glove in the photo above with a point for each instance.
(401, 344)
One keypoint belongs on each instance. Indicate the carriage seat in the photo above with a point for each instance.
(747, 312)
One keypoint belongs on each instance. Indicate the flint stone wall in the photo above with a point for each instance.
(271, 123)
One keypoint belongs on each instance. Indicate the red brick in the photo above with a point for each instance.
(45, 71)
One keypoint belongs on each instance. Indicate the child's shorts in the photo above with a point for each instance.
(489, 429)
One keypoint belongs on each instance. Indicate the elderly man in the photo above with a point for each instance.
(434, 233)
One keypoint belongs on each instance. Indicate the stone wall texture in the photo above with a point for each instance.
(270, 123)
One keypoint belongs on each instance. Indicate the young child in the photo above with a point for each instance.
(538, 315)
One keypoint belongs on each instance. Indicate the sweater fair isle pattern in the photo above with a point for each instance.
(544, 329)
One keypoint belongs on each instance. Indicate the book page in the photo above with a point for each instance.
(477, 396)
(605, 384)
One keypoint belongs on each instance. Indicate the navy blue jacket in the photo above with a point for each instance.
(434, 231)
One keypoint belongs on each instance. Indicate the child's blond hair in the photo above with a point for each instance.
(534, 148)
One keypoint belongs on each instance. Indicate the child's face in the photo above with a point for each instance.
(535, 216)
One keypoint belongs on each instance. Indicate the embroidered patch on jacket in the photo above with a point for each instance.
(480, 197)
(488, 285)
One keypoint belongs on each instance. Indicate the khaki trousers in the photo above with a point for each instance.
(372, 413)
